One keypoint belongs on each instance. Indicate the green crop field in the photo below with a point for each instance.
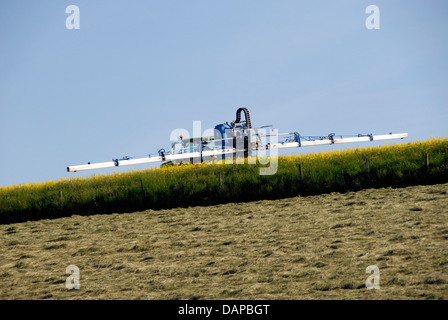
(218, 231)
(210, 184)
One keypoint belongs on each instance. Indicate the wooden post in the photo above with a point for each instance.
(60, 194)
(141, 184)
(367, 165)
(427, 161)
(301, 173)
(220, 180)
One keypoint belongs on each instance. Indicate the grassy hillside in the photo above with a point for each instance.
(208, 184)
(314, 247)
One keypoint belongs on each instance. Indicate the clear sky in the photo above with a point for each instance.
(136, 70)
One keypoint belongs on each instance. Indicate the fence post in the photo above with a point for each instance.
(60, 194)
(367, 166)
(141, 185)
(301, 173)
(427, 161)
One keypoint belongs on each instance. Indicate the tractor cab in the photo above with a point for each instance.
(195, 144)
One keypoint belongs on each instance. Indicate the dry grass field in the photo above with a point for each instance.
(315, 247)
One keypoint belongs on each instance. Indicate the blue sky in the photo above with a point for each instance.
(136, 70)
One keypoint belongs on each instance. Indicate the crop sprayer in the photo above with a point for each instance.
(234, 140)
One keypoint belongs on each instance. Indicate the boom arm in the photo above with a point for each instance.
(294, 140)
